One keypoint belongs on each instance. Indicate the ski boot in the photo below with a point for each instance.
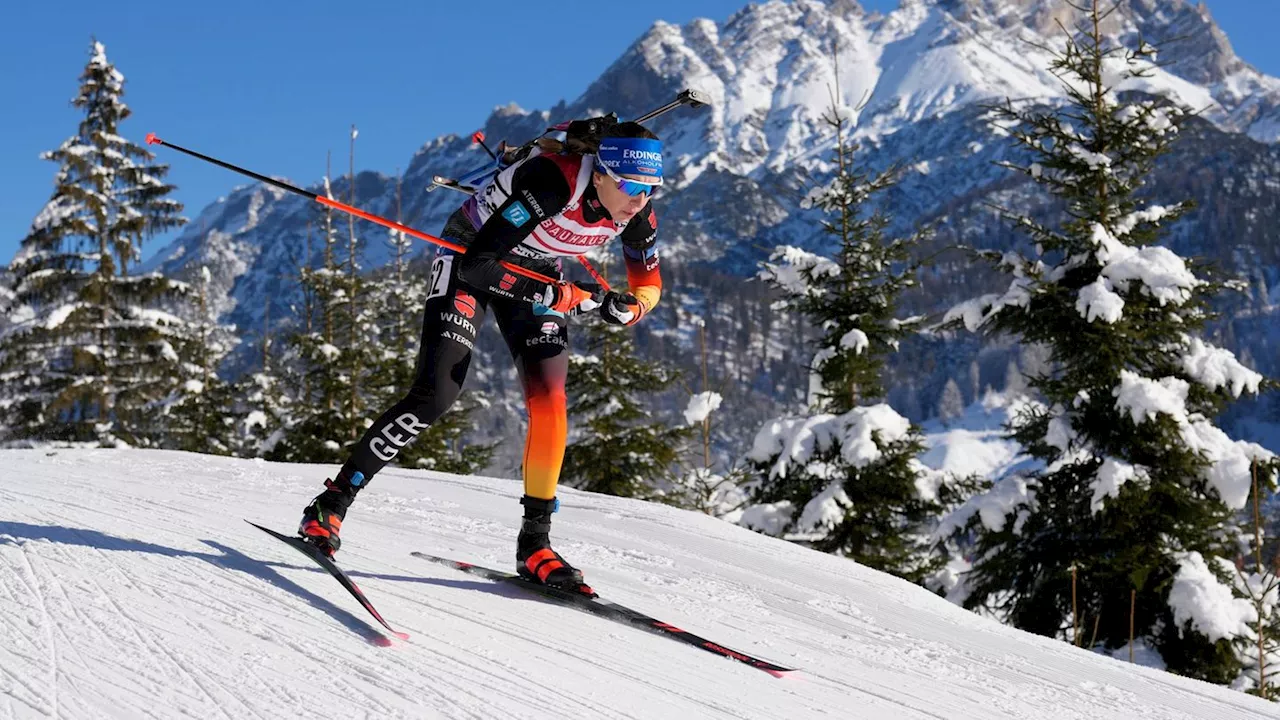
(322, 519)
(535, 560)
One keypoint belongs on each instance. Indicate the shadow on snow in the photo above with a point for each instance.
(229, 558)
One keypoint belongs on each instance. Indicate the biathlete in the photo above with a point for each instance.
(545, 207)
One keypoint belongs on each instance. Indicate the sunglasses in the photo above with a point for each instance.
(632, 188)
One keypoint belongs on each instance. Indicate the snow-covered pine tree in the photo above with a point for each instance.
(203, 414)
(10, 311)
(100, 348)
(1137, 486)
(951, 404)
(619, 450)
(322, 421)
(843, 476)
(396, 295)
(264, 394)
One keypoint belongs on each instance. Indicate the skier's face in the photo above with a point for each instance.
(621, 206)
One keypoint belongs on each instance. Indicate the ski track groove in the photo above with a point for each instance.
(199, 584)
(284, 604)
(514, 673)
(842, 627)
(445, 698)
(33, 591)
(280, 607)
(676, 550)
(61, 629)
(589, 705)
(595, 662)
(19, 681)
(419, 600)
(155, 648)
(48, 630)
(483, 699)
(85, 620)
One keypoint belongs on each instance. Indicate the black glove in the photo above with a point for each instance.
(619, 308)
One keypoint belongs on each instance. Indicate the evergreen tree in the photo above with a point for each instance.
(844, 477)
(203, 413)
(99, 349)
(951, 405)
(265, 400)
(1137, 486)
(620, 449)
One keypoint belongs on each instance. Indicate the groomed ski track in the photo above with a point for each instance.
(130, 587)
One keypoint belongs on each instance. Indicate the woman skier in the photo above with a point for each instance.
(544, 207)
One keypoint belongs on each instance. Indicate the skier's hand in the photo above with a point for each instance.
(569, 298)
(619, 308)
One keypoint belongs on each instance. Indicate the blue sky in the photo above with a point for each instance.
(273, 85)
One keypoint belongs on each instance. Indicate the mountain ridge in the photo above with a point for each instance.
(924, 71)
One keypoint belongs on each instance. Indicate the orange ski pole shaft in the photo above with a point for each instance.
(532, 275)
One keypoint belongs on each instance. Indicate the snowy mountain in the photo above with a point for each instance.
(129, 587)
(920, 75)
(768, 71)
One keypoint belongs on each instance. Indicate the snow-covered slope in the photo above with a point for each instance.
(130, 587)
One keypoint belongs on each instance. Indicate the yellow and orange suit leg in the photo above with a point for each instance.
(548, 430)
(539, 345)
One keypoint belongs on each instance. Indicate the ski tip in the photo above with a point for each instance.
(381, 640)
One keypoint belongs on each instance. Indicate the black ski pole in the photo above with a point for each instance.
(692, 98)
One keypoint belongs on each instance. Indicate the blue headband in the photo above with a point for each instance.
(633, 156)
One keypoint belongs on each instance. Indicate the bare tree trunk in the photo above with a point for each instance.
(1258, 602)
(353, 311)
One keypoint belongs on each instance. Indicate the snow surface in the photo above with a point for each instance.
(1230, 461)
(1217, 368)
(701, 405)
(1163, 274)
(1110, 477)
(129, 588)
(1097, 301)
(974, 443)
(793, 441)
(1198, 596)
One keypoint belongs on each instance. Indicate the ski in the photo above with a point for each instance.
(609, 610)
(332, 568)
